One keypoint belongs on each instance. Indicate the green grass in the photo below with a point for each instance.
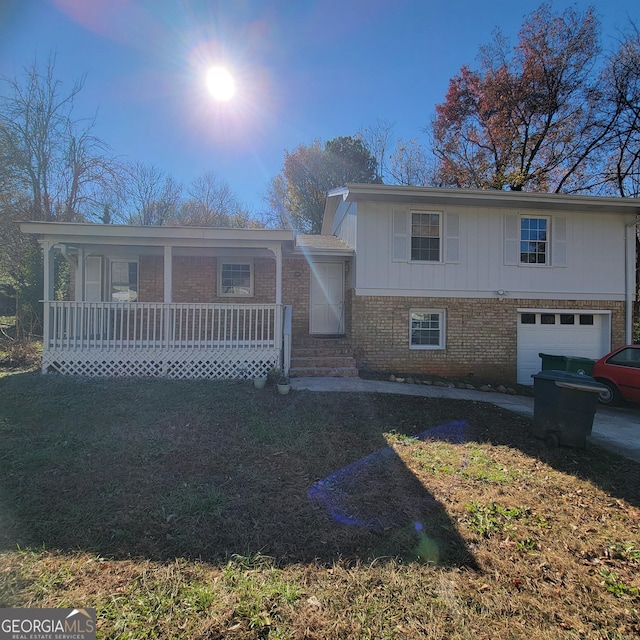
(181, 510)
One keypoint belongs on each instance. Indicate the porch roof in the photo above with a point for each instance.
(85, 233)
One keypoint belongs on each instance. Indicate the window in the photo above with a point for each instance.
(534, 240)
(235, 279)
(629, 357)
(425, 237)
(426, 329)
(124, 281)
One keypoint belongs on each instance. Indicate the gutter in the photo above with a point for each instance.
(630, 275)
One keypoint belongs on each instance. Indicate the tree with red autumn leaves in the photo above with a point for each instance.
(537, 117)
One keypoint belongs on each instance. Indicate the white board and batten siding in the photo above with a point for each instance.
(479, 255)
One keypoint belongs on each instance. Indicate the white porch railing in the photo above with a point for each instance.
(190, 339)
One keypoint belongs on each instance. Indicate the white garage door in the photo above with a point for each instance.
(563, 333)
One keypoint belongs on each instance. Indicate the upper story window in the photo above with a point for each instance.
(534, 240)
(235, 279)
(425, 237)
(124, 281)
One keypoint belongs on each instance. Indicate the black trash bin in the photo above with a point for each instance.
(564, 406)
(574, 364)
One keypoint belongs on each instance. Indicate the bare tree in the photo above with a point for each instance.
(212, 203)
(377, 139)
(410, 164)
(48, 153)
(149, 196)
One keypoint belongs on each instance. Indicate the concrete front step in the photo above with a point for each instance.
(306, 362)
(322, 357)
(321, 352)
(323, 372)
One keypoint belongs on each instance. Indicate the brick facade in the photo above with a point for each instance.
(195, 279)
(481, 334)
(296, 275)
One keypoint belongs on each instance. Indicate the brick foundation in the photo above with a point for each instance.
(481, 338)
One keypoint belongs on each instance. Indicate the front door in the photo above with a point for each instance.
(327, 298)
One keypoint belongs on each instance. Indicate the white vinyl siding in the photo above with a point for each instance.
(587, 260)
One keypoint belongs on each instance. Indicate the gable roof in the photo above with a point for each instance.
(474, 197)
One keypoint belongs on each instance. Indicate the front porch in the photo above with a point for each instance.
(175, 340)
(164, 301)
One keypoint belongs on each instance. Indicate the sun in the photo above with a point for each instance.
(221, 84)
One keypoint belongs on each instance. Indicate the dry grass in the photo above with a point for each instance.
(213, 510)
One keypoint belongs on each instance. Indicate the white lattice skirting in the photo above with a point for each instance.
(179, 364)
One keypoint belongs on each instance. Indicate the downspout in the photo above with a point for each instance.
(630, 275)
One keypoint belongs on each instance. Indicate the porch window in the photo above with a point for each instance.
(124, 281)
(236, 279)
(427, 328)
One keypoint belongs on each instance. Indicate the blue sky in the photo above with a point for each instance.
(304, 69)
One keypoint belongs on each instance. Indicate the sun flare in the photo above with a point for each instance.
(221, 84)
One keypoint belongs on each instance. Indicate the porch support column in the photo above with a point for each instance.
(80, 267)
(168, 274)
(277, 252)
(49, 271)
(48, 293)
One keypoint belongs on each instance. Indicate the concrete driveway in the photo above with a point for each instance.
(616, 429)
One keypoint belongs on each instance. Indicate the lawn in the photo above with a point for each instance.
(194, 509)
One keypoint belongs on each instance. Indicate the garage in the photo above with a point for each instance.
(563, 332)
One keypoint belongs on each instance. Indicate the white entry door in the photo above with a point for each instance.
(327, 298)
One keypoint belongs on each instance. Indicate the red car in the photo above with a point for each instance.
(619, 371)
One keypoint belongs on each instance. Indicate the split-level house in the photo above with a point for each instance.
(401, 279)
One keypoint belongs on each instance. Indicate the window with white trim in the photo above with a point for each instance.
(426, 236)
(534, 240)
(426, 328)
(124, 281)
(235, 279)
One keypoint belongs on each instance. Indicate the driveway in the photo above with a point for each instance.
(616, 429)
